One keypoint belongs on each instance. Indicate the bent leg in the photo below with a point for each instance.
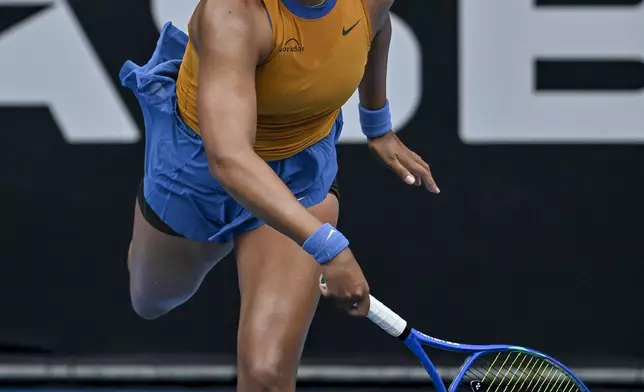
(279, 296)
(165, 271)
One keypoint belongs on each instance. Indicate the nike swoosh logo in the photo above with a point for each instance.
(330, 234)
(347, 31)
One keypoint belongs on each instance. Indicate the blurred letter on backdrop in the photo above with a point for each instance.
(537, 73)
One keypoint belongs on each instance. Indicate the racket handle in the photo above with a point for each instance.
(386, 318)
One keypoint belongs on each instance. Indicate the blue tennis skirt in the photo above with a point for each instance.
(177, 183)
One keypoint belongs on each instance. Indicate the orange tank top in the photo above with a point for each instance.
(317, 62)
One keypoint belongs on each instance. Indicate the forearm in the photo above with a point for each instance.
(252, 182)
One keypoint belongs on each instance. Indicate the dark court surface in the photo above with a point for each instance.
(333, 389)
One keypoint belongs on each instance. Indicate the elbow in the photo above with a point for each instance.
(223, 166)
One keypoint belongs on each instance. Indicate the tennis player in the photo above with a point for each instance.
(241, 121)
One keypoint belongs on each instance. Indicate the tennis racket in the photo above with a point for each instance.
(494, 368)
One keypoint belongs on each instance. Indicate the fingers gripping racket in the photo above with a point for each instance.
(493, 368)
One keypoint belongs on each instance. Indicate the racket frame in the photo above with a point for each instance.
(415, 340)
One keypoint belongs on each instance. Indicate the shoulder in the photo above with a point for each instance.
(241, 22)
(378, 13)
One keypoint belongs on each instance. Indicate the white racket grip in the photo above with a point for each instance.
(386, 318)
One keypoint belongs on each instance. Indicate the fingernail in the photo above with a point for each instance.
(410, 180)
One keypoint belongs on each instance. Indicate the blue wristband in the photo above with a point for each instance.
(375, 123)
(325, 243)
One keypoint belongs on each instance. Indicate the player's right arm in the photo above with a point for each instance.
(231, 44)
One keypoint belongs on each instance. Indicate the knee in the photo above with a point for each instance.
(146, 308)
(265, 375)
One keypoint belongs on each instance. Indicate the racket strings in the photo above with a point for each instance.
(534, 376)
(516, 372)
(495, 372)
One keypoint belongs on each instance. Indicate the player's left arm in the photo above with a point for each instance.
(375, 116)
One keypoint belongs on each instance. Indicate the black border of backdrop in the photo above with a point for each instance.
(538, 245)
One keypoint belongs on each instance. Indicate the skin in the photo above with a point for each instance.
(278, 280)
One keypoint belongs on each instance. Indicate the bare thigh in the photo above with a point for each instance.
(165, 271)
(279, 296)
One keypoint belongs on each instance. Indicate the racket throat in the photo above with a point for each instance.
(431, 370)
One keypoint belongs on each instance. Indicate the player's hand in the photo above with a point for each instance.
(405, 163)
(344, 283)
